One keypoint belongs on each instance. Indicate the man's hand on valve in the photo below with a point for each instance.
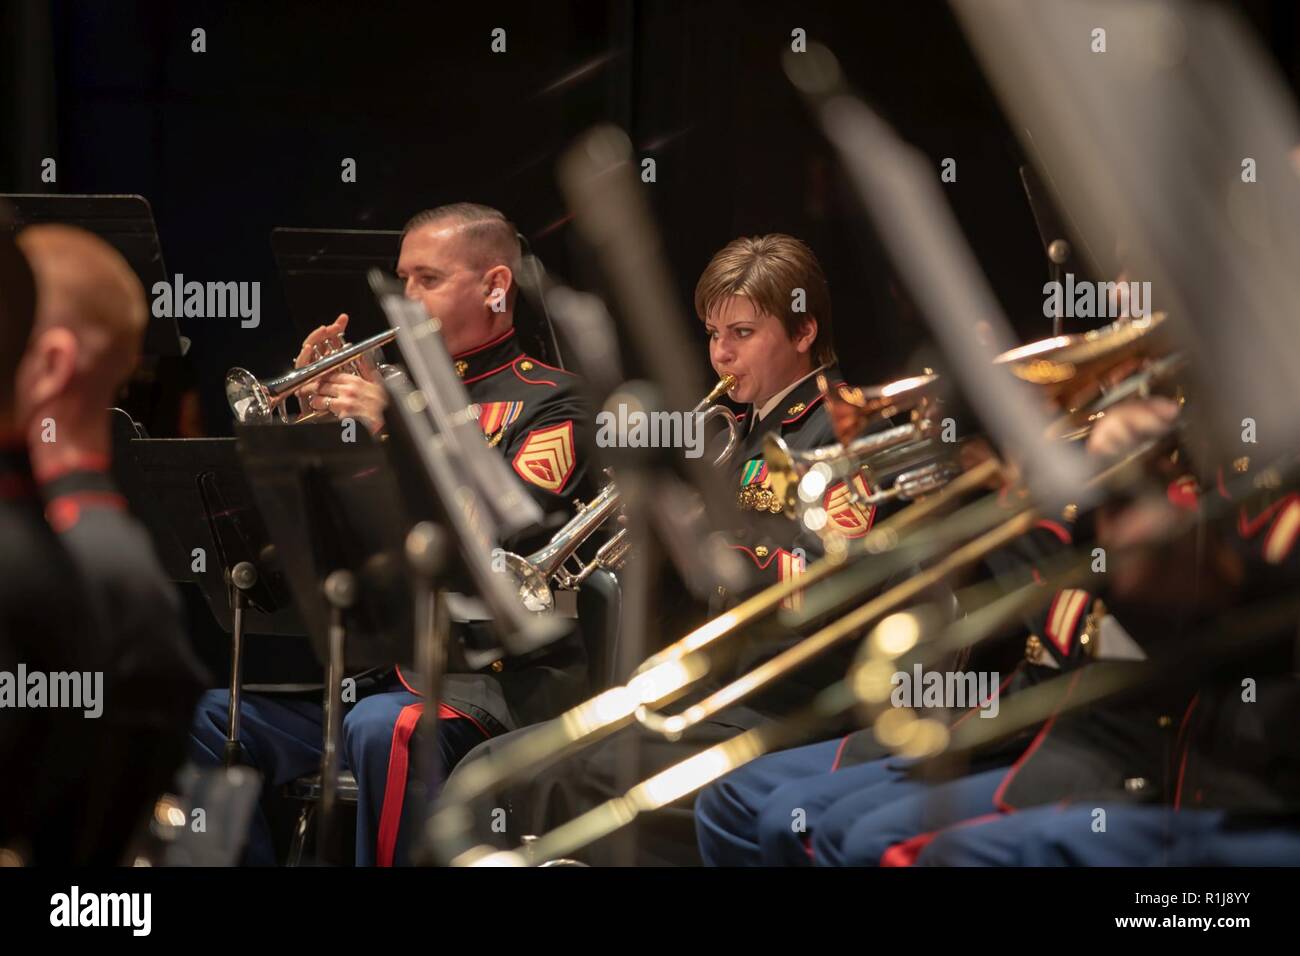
(358, 397)
(342, 393)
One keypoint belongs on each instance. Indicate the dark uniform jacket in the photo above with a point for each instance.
(778, 547)
(154, 679)
(535, 415)
(1193, 744)
(47, 627)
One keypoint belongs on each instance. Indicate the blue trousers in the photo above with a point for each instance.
(857, 829)
(282, 738)
(766, 813)
(1132, 836)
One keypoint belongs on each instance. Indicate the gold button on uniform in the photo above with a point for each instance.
(761, 551)
(461, 368)
(498, 666)
(1165, 721)
(525, 366)
(796, 408)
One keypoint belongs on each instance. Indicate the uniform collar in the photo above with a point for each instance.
(794, 403)
(760, 414)
(77, 482)
(488, 358)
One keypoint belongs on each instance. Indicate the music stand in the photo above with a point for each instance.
(124, 222)
(336, 513)
(323, 272)
(191, 496)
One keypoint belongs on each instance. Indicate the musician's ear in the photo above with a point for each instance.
(46, 369)
(497, 284)
(805, 334)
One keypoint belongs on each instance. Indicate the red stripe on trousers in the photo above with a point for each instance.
(905, 853)
(399, 759)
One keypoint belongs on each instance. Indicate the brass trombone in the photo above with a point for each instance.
(976, 530)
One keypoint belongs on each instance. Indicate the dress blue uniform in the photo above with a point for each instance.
(774, 811)
(535, 415)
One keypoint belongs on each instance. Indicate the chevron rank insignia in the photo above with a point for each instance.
(546, 460)
(849, 518)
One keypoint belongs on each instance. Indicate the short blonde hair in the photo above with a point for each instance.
(767, 270)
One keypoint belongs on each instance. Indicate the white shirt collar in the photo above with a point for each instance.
(776, 400)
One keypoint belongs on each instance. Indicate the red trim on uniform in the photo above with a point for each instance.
(811, 405)
(529, 381)
(839, 753)
(1038, 578)
(1223, 488)
(445, 710)
(553, 368)
(761, 566)
(63, 513)
(89, 461)
(477, 378)
(1060, 530)
(486, 345)
(403, 682)
(905, 853)
(741, 416)
(997, 693)
(1249, 527)
(1187, 745)
(1000, 793)
(390, 817)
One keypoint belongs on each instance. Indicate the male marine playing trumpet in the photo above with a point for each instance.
(459, 261)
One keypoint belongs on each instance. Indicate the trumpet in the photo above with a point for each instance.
(539, 574)
(255, 402)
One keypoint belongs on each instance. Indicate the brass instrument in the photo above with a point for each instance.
(800, 479)
(1079, 372)
(539, 573)
(904, 462)
(975, 530)
(256, 402)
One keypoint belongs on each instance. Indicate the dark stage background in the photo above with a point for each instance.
(249, 135)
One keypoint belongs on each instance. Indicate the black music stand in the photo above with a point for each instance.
(323, 272)
(190, 493)
(124, 222)
(354, 556)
